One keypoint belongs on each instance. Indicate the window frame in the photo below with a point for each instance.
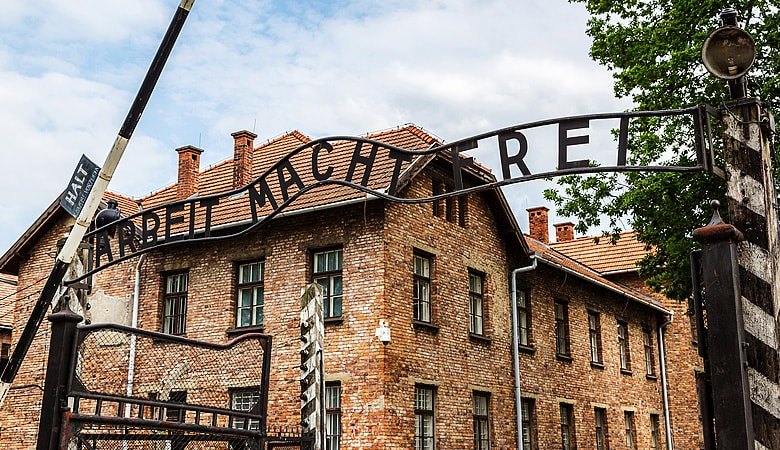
(253, 424)
(481, 421)
(420, 414)
(477, 298)
(647, 342)
(175, 323)
(329, 301)
(602, 429)
(562, 330)
(624, 347)
(422, 280)
(630, 430)
(568, 433)
(528, 422)
(594, 338)
(655, 432)
(524, 311)
(254, 305)
(332, 440)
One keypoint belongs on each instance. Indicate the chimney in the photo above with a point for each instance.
(537, 224)
(189, 166)
(564, 232)
(243, 143)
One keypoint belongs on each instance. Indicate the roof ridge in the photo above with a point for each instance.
(272, 140)
(416, 130)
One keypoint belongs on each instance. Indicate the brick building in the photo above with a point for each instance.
(438, 273)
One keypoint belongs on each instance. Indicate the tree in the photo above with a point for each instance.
(653, 48)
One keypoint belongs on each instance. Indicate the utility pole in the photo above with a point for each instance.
(728, 53)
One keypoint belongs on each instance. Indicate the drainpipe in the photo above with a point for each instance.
(515, 351)
(134, 324)
(664, 388)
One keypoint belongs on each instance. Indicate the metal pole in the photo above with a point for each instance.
(63, 334)
(78, 231)
(725, 334)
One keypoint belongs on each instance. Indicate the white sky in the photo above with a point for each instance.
(69, 70)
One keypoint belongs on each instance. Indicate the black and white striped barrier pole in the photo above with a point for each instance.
(312, 364)
(92, 202)
(752, 204)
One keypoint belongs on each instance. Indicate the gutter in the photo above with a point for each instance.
(604, 285)
(664, 387)
(516, 352)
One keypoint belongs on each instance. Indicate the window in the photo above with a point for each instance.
(423, 418)
(523, 318)
(602, 437)
(562, 329)
(568, 441)
(476, 309)
(463, 210)
(594, 331)
(630, 430)
(154, 411)
(332, 416)
(528, 423)
(5, 355)
(176, 414)
(647, 340)
(438, 189)
(327, 273)
(245, 400)
(175, 313)
(250, 295)
(422, 288)
(481, 422)
(655, 434)
(625, 355)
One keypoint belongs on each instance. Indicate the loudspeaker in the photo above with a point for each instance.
(728, 52)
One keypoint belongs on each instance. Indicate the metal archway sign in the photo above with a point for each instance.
(280, 185)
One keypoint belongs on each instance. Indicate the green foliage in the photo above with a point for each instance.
(653, 48)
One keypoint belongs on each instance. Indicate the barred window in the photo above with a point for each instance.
(527, 409)
(175, 303)
(424, 431)
(655, 432)
(332, 416)
(250, 296)
(481, 422)
(422, 288)
(476, 304)
(328, 274)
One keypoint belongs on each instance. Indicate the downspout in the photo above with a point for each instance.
(134, 324)
(515, 350)
(664, 388)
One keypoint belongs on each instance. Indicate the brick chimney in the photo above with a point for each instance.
(189, 167)
(243, 143)
(537, 224)
(564, 232)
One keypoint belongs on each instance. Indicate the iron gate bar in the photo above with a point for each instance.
(161, 425)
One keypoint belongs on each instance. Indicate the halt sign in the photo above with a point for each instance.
(80, 184)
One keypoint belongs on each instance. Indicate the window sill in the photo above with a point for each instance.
(529, 349)
(334, 320)
(651, 377)
(564, 358)
(597, 365)
(482, 339)
(243, 330)
(626, 372)
(425, 326)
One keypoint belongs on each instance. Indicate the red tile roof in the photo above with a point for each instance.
(605, 257)
(546, 254)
